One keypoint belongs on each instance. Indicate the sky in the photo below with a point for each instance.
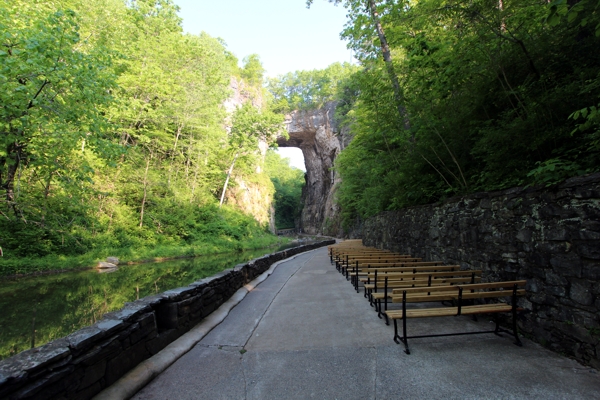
(284, 33)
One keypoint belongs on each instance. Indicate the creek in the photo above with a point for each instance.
(45, 308)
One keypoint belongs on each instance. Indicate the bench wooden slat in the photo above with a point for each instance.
(450, 311)
(420, 274)
(448, 296)
(391, 271)
(382, 294)
(398, 264)
(423, 283)
(476, 286)
(495, 285)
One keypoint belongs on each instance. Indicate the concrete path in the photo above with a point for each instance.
(305, 333)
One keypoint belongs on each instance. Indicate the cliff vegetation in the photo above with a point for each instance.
(455, 97)
(115, 137)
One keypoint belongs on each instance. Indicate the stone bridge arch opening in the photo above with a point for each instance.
(295, 155)
(316, 134)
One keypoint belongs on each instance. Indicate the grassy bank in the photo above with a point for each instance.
(31, 265)
(52, 262)
(193, 232)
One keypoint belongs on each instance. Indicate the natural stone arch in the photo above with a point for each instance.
(317, 135)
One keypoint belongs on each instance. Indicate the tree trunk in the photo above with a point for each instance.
(227, 180)
(14, 155)
(195, 181)
(387, 57)
(145, 192)
(179, 127)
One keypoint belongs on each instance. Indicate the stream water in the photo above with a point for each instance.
(44, 308)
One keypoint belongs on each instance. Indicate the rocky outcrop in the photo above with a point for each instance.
(316, 133)
(250, 197)
(254, 199)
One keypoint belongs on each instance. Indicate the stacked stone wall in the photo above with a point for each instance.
(548, 236)
(87, 361)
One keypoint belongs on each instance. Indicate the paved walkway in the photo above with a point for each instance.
(305, 333)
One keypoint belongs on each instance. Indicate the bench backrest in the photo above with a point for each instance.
(376, 257)
(391, 266)
(466, 291)
(408, 275)
(448, 296)
(344, 254)
(378, 261)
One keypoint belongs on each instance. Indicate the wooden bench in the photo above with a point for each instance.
(460, 294)
(340, 256)
(344, 266)
(342, 252)
(361, 270)
(374, 275)
(349, 259)
(394, 283)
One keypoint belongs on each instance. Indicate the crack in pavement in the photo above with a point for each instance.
(224, 347)
(245, 379)
(277, 294)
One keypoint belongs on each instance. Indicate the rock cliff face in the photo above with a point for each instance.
(250, 197)
(318, 136)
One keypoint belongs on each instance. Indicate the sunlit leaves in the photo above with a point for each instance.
(302, 90)
(488, 87)
(53, 95)
(288, 182)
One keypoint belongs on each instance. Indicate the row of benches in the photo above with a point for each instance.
(389, 278)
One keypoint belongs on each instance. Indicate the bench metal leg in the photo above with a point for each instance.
(387, 321)
(514, 316)
(405, 338)
(516, 329)
(396, 337)
(381, 311)
(497, 322)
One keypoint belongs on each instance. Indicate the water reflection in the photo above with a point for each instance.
(45, 308)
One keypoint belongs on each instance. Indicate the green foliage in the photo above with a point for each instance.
(250, 125)
(253, 71)
(112, 134)
(53, 97)
(303, 90)
(288, 182)
(182, 229)
(496, 95)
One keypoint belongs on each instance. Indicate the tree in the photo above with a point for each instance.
(253, 71)
(498, 95)
(288, 182)
(53, 95)
(301, 90)
(358, 36)
(249, 126)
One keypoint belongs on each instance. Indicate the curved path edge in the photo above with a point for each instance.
(138, 377)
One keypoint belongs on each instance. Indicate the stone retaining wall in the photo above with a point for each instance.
(551, 237)
(87, 361)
